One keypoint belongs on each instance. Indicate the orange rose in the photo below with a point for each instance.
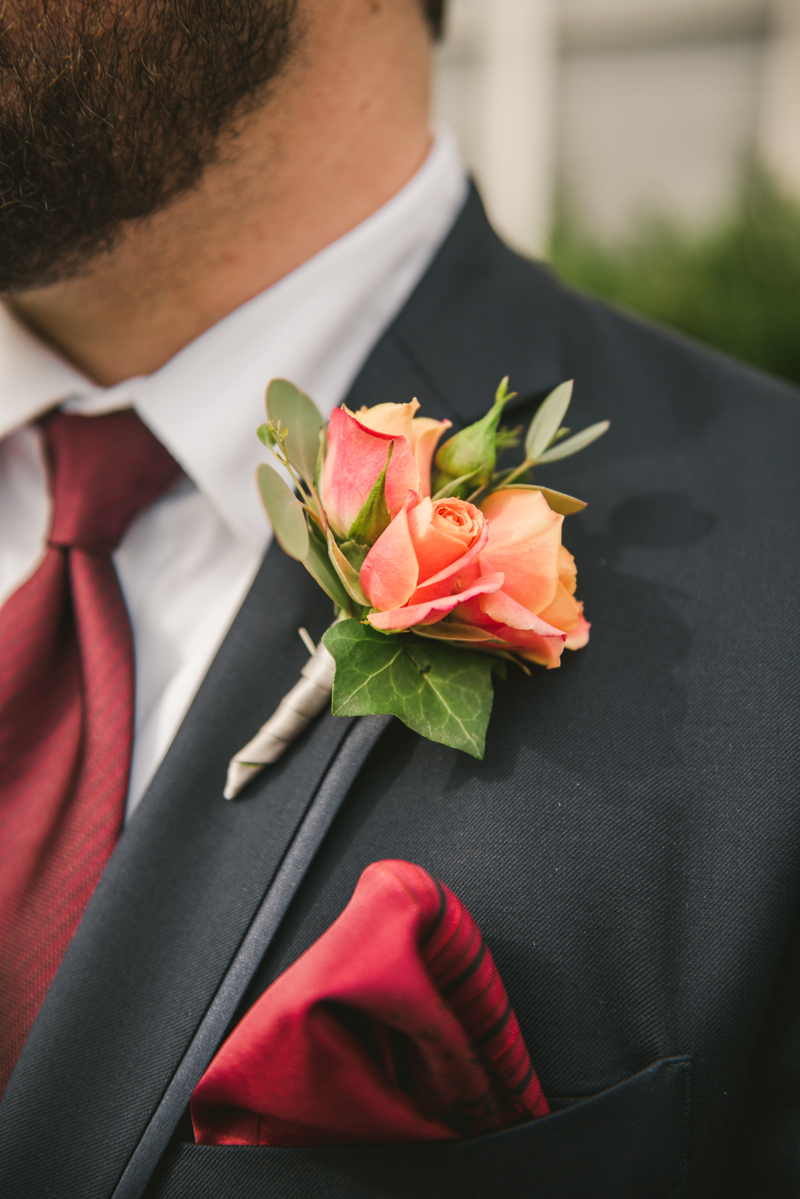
(412, 573)
(501, 570)
(537, 599)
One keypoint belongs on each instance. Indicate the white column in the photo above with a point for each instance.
(780, 113)
(497, 85)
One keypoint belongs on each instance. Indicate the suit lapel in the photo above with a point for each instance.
(191, 872)
(480, 312)
(170, 912)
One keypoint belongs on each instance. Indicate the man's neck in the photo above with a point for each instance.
(341, 132)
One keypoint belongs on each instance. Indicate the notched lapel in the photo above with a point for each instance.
(170, 912)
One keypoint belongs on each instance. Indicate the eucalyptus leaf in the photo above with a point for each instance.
(285, 513)
(293, 409)
(442, 693)
(565, 505)
(547, 421)
(320, 567)
(348, 576)
(573, 445)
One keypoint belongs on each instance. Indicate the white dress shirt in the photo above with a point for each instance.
(186, 564)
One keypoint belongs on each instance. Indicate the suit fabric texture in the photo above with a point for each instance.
(629, 847)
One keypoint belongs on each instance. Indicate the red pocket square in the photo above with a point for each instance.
(394, 1026)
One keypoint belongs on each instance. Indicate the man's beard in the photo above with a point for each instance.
(110, 109)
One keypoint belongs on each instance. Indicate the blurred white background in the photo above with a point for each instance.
(623, 107)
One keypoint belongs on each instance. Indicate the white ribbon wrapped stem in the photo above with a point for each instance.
(294, 713)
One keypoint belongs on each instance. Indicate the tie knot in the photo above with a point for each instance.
(104, 470)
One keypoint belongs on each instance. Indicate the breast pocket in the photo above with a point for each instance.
(629, 1142)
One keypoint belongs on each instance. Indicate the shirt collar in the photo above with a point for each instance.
(316, 326)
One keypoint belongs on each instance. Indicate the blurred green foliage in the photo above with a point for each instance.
(735, 286)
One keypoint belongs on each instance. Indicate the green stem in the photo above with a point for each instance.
(526, 465)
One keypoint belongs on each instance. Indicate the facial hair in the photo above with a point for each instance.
(108, 110)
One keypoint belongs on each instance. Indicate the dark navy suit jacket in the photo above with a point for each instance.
(630, 846)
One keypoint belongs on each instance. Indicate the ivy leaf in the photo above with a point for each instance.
(297, 412)
(374, 516)
(574, 444)
(442, 693)
(547, 421)
(285, 513)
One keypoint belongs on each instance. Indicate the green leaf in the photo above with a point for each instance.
(320, 461)
(547, 421)
(265, 434)
(355, 553)
(566, 505)
(374, 516)
(320, 567)
(442, 693)
(293, 409)
(445, 630)
(285, 513)
(454, 487)
(574, 444)
(346, 573)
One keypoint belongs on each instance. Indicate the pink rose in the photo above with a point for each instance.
(357, 449)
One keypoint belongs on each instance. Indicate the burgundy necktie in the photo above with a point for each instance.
(66, 704)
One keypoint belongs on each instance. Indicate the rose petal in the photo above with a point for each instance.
(567, 570)
(527, 644)
(425, 434)
(393, 420)
(564, 612)
(544, 651)
(389, 573)
(433, 610)
(505, 610)
(462, 562)
(580, 637)
(524, 541)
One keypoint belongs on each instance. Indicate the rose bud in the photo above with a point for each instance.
(472, 452)
(356, 457)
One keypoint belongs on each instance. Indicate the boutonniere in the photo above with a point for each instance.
(442, 569)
